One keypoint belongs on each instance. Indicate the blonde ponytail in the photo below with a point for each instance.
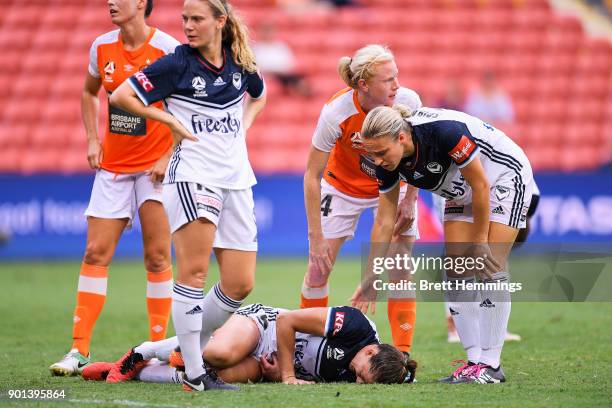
(235, 34)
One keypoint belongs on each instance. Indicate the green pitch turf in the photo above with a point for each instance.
(563, 360)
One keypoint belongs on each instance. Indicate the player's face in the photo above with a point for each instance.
(385, 151)
(199, 23)
(122, 11)
(361, 364)
(383, 85)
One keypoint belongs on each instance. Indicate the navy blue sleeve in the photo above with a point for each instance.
(349, 324)
(454, 138)
(159, 79)
(387, 179)
(255, 84)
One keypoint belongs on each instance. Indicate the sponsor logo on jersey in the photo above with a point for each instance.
(226, 125)
(462, 151)
(335, 353)
(338, 322)
(109, 70)
(144, 81)
(426, 114)
(434, 167)
(498, 210)
(237, 80)
(501, 192)
(128, 68)
(417, 175)
(219, 82)
(367, 166)
(356, 141)
(199, 84)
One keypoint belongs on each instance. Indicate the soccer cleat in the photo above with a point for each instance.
(97, 371)
(410, 378)
(176, 360)
(72, 364)
(460, 374)
(487, 375)
(126, 367)
(205, 382)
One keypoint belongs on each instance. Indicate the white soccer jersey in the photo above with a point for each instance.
(208, 101)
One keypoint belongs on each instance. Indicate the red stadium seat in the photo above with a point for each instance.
(556, 75)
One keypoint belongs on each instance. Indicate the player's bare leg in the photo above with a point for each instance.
(315, 291)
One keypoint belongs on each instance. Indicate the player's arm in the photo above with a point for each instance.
(364, 297)
(475, 176)
(256, 101)
(319, 251)
(311, 321)
(406, 211)
(125, 98)
(90, 108)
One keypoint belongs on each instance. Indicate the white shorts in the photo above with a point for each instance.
(510, 195)
(340, 212)
(265, 319)
(119, 196)
(232, 212)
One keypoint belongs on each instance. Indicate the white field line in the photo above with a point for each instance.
(127, 403)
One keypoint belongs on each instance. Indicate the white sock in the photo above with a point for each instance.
(494, 315)
(158, 372)
(463, 307)
(217, 307)
(157, 349)
(187, 318)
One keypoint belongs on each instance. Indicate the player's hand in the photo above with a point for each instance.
(482, 250)
(94, 153)
(405, 217)
(358, 301)
(158, 171)
(270, 369)
(179, 132)
(320, 255)
(296, 381)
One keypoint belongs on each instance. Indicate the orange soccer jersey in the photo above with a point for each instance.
(349, 169)
(131, 143)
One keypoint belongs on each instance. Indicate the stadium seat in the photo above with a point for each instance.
(556, 75)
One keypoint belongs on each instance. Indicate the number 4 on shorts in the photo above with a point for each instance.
(326, 204)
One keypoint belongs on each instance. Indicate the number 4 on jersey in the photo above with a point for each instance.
(326, 204)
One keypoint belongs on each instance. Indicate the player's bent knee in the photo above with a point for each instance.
(157, 261)
(219, 357)
(97, 253)
(239, 291)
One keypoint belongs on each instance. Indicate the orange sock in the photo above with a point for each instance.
(90, 301)
(159, 302)
(314, 297)
(402, 317)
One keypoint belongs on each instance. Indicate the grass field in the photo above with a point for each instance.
(565, 358)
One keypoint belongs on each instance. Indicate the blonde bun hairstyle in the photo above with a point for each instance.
(361, 66)
(386, 121)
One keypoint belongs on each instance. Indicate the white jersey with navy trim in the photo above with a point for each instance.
(445, 141)
(208, 101)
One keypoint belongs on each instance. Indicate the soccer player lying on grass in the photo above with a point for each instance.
(266, 343)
